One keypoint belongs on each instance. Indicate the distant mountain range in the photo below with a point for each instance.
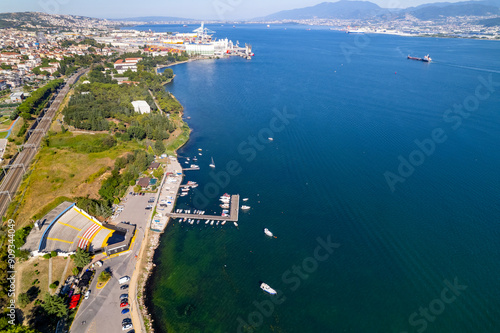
(343, 9)
(351, 10)
(456, 9)
(329, 10)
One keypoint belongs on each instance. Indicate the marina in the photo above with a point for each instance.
(171, 187)
(232, 216)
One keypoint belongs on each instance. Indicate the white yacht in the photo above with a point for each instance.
(212, 165)
(267, 289)
(245, 207)
(268, 232)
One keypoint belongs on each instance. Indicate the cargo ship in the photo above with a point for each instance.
(427, 58)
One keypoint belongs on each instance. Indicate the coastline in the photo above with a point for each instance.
(172, 64)
(145, 259)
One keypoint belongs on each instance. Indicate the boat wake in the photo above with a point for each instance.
(471, 68)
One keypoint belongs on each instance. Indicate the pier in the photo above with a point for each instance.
(233, 213)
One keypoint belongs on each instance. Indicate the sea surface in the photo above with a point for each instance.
(381, 185)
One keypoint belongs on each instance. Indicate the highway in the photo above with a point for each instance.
(15, 172)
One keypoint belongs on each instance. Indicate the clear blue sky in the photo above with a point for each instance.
(198, 9)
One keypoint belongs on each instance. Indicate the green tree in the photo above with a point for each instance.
(159, 147)
(82, 258)
(158, 173)
(19, 329)
(23, 300)
(104, 276)
(55, 305)
(76, 271)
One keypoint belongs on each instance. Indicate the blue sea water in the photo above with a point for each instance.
(419, 255)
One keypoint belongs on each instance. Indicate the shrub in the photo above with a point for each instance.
(104, 276)
(53, 254)
(23, 300)
(46, 256)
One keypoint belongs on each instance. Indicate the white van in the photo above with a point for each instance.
(124, 279)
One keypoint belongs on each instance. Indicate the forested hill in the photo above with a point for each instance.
(103, 105)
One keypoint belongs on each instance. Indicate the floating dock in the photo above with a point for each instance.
(233, 214)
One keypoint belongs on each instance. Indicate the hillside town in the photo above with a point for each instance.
(31, 52)
(407, 25)
(30, 58)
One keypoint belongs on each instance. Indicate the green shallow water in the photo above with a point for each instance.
(323, 176)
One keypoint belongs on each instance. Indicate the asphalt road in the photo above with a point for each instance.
(102, 312)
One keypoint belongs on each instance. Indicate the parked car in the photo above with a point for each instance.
(125, 286)
(123, 279)
(123, 304)
(126, 321)
(126, 326)
(87, 294)
(125, 311)
(123, 296)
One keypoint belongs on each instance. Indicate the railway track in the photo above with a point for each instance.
(15, 172)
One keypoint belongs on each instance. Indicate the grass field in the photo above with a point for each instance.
(5, 122)
(178, 138)
(63, 170)
(27, 273)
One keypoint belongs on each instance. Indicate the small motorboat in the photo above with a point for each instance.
(267, 288)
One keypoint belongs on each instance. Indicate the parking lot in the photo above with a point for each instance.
(101, 312)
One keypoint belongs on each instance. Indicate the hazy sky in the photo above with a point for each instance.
(198, 9)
